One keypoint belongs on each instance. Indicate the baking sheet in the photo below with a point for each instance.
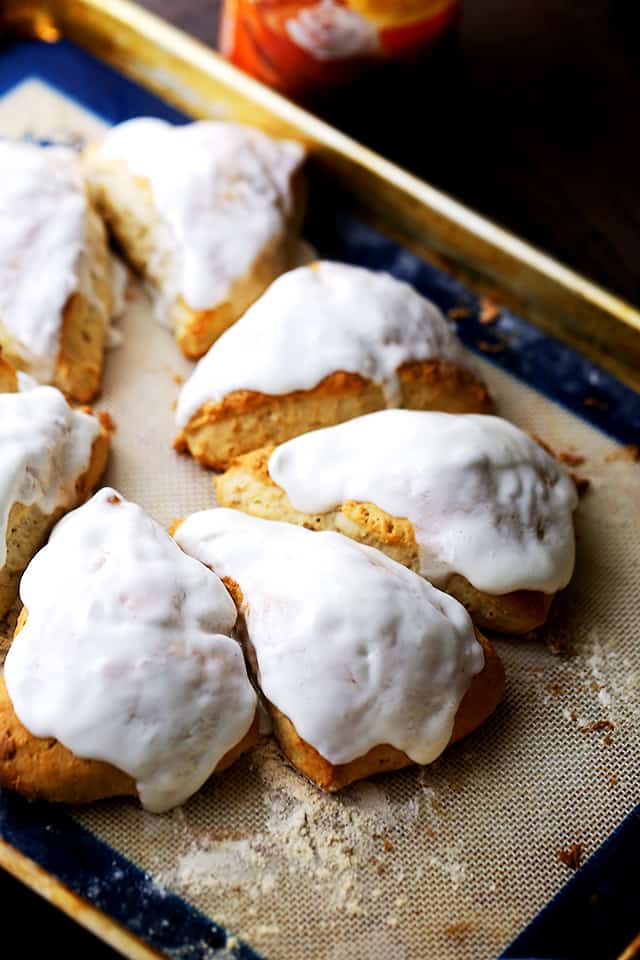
(447, 861)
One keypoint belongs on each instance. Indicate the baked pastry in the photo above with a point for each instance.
(8, 376)
(325, 343)
(207, 213)
(469, 501)
(55, 282)
(52, 458)
(365, 666)
(122, 677)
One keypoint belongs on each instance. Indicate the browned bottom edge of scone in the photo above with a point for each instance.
(479, 702)
(43, 769)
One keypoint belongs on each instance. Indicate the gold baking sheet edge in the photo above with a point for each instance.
(81, 911)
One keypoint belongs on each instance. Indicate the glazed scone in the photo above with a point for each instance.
(325, 343)
(469, 501)
(122, 677)
(365, 666)
(55, 270)
(52, 459)
(208, 213)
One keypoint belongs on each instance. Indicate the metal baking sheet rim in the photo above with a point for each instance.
(188, 74)
(191, 76)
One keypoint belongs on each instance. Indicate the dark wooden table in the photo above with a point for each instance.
(533, 121)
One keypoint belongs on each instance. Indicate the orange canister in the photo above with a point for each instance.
(303, 46)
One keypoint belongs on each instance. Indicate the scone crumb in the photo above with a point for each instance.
(595, 403)
(491, 346)
(177, 379)
(114, 499)
(458, 932)
(630, 454)
(107, 421)
(571, 459)
(597, 726)
(572, 857)
(458, 313)
(489, 311)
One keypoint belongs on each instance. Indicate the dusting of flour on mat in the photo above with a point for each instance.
(343, 846)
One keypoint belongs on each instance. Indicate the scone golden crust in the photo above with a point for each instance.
(136, 218)
(335, 341)
(28, 527)
(479, 702)
(78, 370)
(58, 301)
(42, 769)
(247, 485)
(246, 420)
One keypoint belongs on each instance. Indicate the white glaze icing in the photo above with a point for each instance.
(314, 321)
(46, 447)
(42, 234)
(222, 191)
(330, 31)
(484, 499)
(355, 649)
(125, 656)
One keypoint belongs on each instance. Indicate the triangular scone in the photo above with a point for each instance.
(207, 212)
(122, 677)
(325, 343)
(55, 270)
(51, 459)
(470, 502)
(364, 665)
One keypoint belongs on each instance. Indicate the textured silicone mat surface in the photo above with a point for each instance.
(447, 861)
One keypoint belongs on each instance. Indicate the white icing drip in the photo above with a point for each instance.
(314, 321)
(125, 656)
(42, 232)
(26, 381)
(221, 191)
(46, 447)
(329, 31)
(484, 499)
(354, 648)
